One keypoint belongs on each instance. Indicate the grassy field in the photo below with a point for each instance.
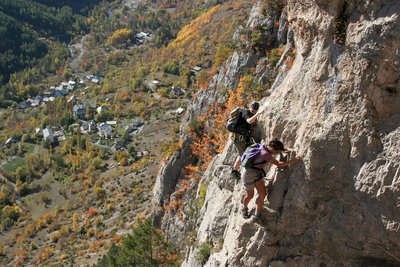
(12, 166)
(17, 161)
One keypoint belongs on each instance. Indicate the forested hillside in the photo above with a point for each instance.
(29, 30)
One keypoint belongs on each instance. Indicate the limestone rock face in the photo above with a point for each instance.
(339, 107)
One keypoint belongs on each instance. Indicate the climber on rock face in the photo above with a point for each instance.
(254, 160)
(241, 127)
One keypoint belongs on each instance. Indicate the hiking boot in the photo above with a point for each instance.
(235, 174)
(256, 217)
(245, 212)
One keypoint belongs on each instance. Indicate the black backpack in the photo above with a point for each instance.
(232, 123)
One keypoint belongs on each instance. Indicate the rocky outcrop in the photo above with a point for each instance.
(338, 106)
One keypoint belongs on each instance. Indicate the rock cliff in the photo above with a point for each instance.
(338, 105)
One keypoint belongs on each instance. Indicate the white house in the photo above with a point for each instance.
(196, 69)
(111, 123)
(64, 84)
(10, 141)
(100, 109)
(179, 111)
(105, 130)
(38, 131)
(48, 135)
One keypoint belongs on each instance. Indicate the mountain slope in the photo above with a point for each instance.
(25, 26)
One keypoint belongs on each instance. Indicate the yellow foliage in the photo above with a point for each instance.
(75, 222)
(55, 236)
(119, 36)
(189, 32)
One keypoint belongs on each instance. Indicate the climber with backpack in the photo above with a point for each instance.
(240, 124)
(254, 160)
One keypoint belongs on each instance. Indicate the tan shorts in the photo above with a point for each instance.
(249, 177)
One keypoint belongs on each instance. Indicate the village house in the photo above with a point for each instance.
(138, 123)
(177, 91)
(64, 84)
(94, 79)
(72, 99)
(10, 141)
(48, 93)
(179, 111)
(79, 111)
(101, 109)
(38, 131)
(129, 129)
(93, 106)
(84, 126)
(112, 123)
(59, 135)
(105, 130)
(92, 127)
(156, 83)
(88, 127)
(22, 106)
(196, 69)
(48, 135)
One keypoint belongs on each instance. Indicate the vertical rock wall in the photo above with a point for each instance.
(339, 106)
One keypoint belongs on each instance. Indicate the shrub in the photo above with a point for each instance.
(96, 163)
(171, 67)
(202, 195)
(222, 54)
(274, 56)
(99, 192)
(145, 245)
(204, 252)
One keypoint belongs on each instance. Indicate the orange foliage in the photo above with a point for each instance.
(20, 256)
(117, 239)
(80, 176)
(21, 239)
(211, 141)
(175, 204)
(238, 5)
(91, 212)
(236, 97)
(289, 62)
(123, 162)
(95, 246)
(49, 216)
(122, 96)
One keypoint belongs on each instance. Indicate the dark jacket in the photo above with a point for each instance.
(244, 127)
